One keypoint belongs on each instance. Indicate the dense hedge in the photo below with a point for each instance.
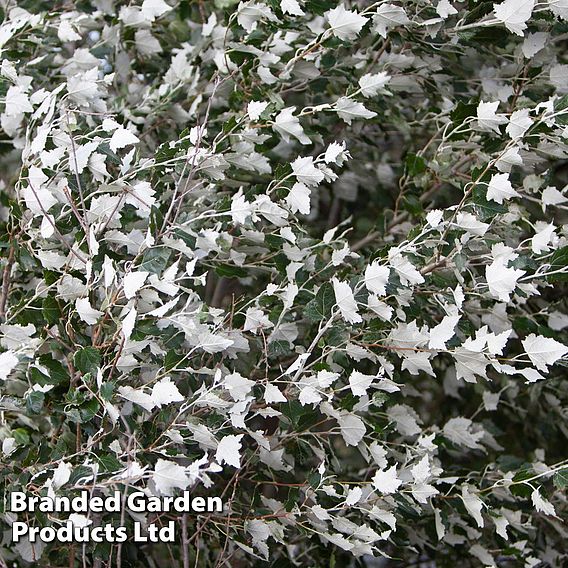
(307, 256)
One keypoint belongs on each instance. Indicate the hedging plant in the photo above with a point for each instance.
(308, 256)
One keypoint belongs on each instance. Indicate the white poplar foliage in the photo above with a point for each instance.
(305, 255)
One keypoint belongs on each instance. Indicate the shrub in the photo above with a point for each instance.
(307, 256)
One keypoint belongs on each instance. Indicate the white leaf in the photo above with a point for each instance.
(348, 109)
(309, 395)
(378, 454)
(519, 123)
(17, 102)
(559, 8)
(423, 491)
(83, 88)
(228, 450)
(372, 84)
(137, 396)
(8, 362)
(482, 554)
(359, 383)
(122, 137)
(376, 278)
(146, 44)
(132, 282)
(440, 528)
(286, 124)
(496, 342)
(473, 504)
(320, 513)
(65, 32)
(501, 524)
(471, 224)
(38, 201)
(212, 343)
(273, 394)
(165, 392)
(255, 109)
(421, 471)
(557, 320)
(487, 118)
(61, 475)
(80, 154)
(386, 481)
(152, 9)
(551, 196)
(337, 154)
(501, 279)
(540, 242)
(534, 43)
(47, 229)
(97, 165)
(306, 172)
(443, 332)
(406, 270)
(141, 195)
(383, 310)
(165, 308)
(490, 400)
(238, 386)
(168, 475)
(405, 418)
(352, 428)
(541, 504)
(79, 520)
(51, 259)
(469, 364)
(128, 323)
(299, 198)
(291, 7)
(509, 159)
(50, 158)
(86, 312)
(256, 319)
(514, 14)
(345, 24)
(389, 16)
(249, 13)
(269, 210)
(346, 301)
(445, 9)
(241, 209)
(459, 430)
(543, 351)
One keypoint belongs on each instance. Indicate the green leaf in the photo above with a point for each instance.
(560, 478)
(34, 402)
(107, 390)
(320, 307)
(486, 210)
(561, 105)
(109, 463)
(87, 360)
(293, 410)
(559, 261)
(415, 164)
(21, 436)
(58, 374)
(278, 348)
(463, 111)
(231, 271)
(155, 260)
(84, 413)
(50, 310)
